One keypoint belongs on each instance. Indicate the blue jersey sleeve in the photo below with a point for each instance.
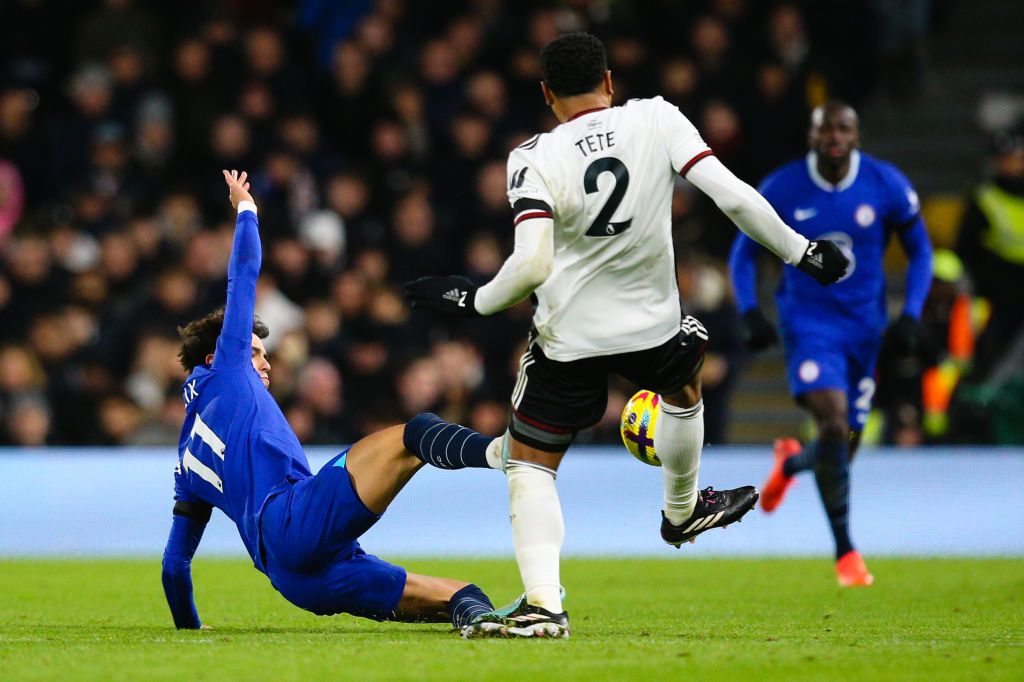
(743, 271)
(234, 346)
(903, 214)
(186, 532)
(918, 248)
(903, 205)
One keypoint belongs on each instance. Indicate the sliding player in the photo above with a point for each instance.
(238, 454)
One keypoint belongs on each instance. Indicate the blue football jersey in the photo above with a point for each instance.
(860, 214)
(236, 449)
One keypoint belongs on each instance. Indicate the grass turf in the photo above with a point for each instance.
(924, 619)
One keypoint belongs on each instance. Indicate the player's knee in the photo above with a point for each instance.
(834, 429)
(416, 428)
(522, 452)
(688, 396)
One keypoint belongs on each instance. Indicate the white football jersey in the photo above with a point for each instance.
(606, 179)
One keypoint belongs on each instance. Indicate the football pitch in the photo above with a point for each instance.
(636, 619)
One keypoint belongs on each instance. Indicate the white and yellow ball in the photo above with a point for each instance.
(639, 419)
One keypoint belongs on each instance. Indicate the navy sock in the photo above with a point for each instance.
(832, 473)
(467, 604)
(445, 445)
(802, 461)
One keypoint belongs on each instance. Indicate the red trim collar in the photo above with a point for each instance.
(585, 112)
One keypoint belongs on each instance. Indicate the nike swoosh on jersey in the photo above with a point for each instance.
(804, 213)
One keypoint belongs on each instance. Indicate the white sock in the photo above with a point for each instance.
(678, 440)
(493, 453)
(537, 531)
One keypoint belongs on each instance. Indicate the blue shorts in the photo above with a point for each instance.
(309, 535)
(816, 363)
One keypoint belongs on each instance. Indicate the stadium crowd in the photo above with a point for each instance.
(376, 135)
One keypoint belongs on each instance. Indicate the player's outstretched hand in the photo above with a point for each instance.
(450, 295)
(758, 332)
(824, 262)
(238, 186)
(904, 335)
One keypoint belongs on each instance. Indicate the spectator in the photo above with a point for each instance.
(29, 423)
(375, 156)
(320, 387)
(991, 244)
(12, 198)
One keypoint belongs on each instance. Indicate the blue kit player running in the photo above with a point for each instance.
(238, 454)
(832, 336)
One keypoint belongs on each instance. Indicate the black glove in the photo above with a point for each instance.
(451, 295)
(824, 262)
(904, 335)
(758, 332)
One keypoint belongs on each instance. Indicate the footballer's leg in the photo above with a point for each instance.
(775, 487)
(551, 401)
(832, 475)
(366, 586)
(317, 563)
(817, 376)
(537, 534)
(855, 436)
(678, 440)
(431, 599)
(674, 370)
(382, 463)
(380, 466)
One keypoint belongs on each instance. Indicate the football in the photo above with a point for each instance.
(639, 418)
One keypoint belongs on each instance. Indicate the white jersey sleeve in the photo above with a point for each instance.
(750, 211)
(528, 193)
(682, 139)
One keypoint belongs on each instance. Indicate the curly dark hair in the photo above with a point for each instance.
(573, 64)
(199, 338)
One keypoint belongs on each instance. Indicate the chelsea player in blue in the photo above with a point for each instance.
(832, 336)
(238, 454)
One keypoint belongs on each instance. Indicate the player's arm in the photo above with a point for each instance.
(751, 212)
(189, 522)
(234, 346)
(904, 334)
(758, 332)
(525, 270)
(918, 248)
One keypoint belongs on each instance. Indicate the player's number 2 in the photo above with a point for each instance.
(602, 225)
(866, 387)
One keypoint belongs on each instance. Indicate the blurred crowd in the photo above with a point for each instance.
(376, 134)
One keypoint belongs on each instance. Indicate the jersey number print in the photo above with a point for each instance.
(192, 463)
(602, 225)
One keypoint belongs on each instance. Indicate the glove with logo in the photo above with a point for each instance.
(824, 262)
(450, 295)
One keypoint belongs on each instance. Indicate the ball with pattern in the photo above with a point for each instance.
(639, 418)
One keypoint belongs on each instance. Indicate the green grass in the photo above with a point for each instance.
(925, 619)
